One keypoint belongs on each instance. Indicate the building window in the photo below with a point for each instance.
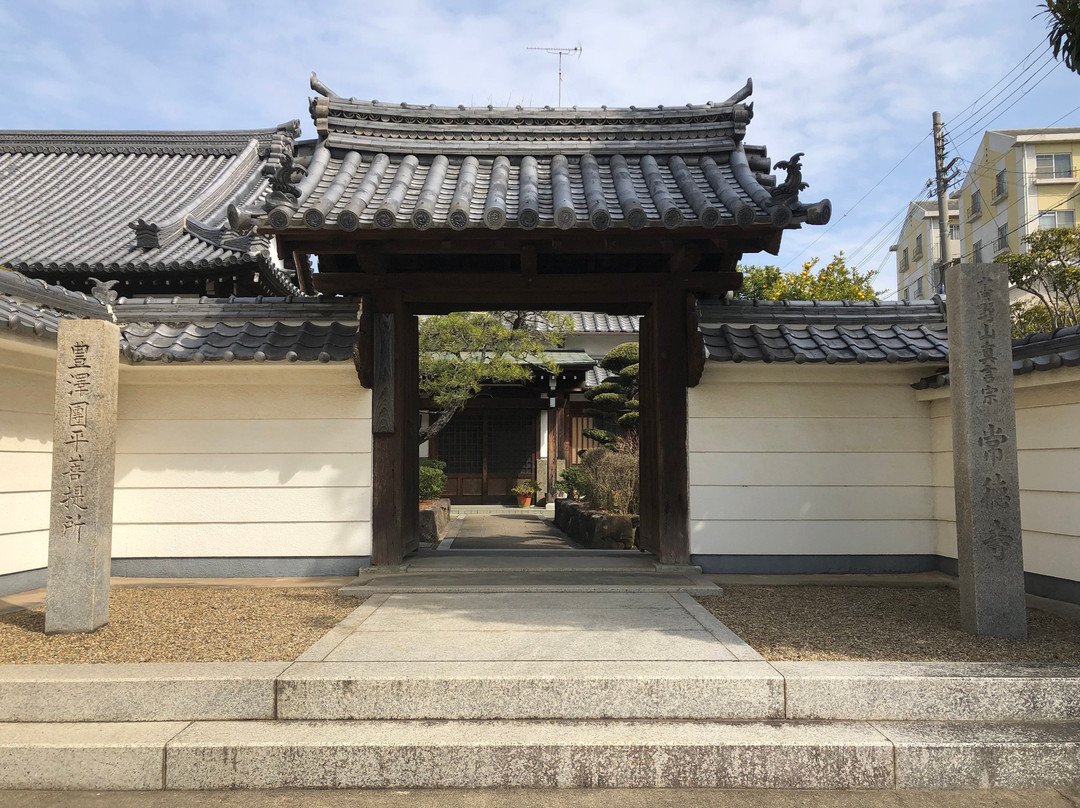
(904, 261)
(976, 252)
(1053, 166)
(919, 289)
(976, 203)
(1002, 242)
(907, 293)
(1056, 218)
(1000, 188)
(954, 232)
(918, 246)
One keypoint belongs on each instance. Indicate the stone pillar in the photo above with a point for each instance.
(84, 454)
(985, 474)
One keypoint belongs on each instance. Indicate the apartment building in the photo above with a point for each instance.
(918, 249)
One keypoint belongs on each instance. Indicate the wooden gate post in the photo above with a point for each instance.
(394, 428)
(665, 478)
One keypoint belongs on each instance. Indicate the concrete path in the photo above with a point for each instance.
(534, 798)
(566, 626)
(509, 530)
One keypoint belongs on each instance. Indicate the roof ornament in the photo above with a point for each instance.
(785, 196)
(104, 293)
(787, 192)
(147, 234)
(321, 88)
(283, 180)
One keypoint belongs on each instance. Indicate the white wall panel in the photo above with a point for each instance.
(809, 461)
(26, 403)
(24, 551)
(804, 537)
(242, 461)
(242, 540)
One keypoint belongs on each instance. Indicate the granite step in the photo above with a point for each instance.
(540, 754)
(530, 690)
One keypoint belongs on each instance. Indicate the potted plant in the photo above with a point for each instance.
(525, 492)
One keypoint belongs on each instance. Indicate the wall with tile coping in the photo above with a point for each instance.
(1048, 446)
(27, 391)
(789, 461)
(242, 460)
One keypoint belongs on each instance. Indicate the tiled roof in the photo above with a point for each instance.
(1035, 352)
(116, 203)
(822, 312)
(49, 296)
(596, 376)
(589, 322)
(388, 166)
(28, 319)
(838, 344)
(307, 342)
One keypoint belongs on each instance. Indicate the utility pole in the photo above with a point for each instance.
(560, 52)
(940, 170)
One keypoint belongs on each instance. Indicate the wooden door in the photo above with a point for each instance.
(487, 453)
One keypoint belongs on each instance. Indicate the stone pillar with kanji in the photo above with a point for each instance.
(84, 454)
(985, 471)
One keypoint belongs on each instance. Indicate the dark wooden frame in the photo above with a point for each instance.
(659, 275)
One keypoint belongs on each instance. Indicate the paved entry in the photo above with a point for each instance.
(506, 531)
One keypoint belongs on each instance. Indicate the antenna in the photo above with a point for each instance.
(560, 52)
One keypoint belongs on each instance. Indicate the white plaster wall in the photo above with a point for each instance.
(1048, 451)
(242, 460)
(809, 460)
(26, 404)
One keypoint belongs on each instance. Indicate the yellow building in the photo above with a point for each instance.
(917, 249)
(1020, 180)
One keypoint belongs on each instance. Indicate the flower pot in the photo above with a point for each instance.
(524, 500)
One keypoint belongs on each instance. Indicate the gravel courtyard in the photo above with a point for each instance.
(869, 623)
(184, 624)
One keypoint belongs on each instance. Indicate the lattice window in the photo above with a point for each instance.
(461, 444)
(511, 443)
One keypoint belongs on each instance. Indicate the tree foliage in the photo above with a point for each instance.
(835, 281)
(1064, 37)
(462, 351)
(1050, 272)
(614, 407)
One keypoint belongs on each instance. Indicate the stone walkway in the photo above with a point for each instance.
(509, 530)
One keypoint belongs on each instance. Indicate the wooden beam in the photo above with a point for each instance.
(488, 290)
(695, 345)
(648, 452)
(668, 396)
(395, 416)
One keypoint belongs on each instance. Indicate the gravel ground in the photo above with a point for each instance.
(184, 624)
(880, 624)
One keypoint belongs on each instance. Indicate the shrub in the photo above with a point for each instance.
(572, 481)
(432, 479)
(610, 478)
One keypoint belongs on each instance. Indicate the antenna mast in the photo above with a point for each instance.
(560, 52)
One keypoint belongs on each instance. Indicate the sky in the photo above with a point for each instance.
(852, 83)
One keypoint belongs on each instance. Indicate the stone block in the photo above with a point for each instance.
(434, 521)
(84, 453)
(986, 475)
(138, 692)
(528, 754)
(926, 691)
(530, 690)
(967, 754)
(112, 757)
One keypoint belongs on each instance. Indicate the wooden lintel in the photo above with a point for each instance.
(528, 259)
(487, 289)
(686, 259)
(481, 241)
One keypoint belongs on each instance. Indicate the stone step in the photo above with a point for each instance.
(144, 691)
(739, 688)
(530, 690)
(540, 754)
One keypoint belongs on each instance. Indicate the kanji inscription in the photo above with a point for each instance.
(986, 478)
(84, 436)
